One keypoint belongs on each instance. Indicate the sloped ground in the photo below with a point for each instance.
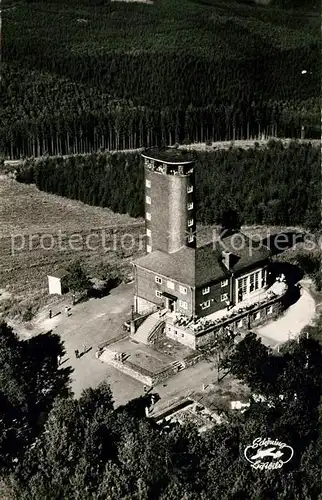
(36, 238)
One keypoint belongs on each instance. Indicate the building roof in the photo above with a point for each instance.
(245, 250)
(208, 265)
(200, 266)
(180, 265)
(61, 273)
(169, 155)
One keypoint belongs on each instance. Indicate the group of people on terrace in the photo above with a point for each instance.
(198, 324)
(162, 168)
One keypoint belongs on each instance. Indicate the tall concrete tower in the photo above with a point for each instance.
(170, 210)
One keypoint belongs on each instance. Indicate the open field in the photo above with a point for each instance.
(38, 232)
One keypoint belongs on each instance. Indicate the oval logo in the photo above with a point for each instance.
(267, 453)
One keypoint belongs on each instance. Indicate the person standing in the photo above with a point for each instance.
(50, 313)
(77, 353)
(66, 310)
(58, 360)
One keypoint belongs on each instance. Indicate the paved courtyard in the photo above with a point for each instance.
(89, 324)
(99, 320)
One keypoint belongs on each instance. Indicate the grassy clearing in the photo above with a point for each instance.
(41, 233)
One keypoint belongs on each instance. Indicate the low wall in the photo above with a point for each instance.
(143, 306)
(129, 369)
(176, 367)
(112, 341)
(139, 319)
(145, 376)
(180, 334)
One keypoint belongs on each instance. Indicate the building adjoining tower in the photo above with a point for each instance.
(198, 289)
(169, 200)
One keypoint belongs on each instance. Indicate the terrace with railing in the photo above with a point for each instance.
(224, 317)
(165, 169)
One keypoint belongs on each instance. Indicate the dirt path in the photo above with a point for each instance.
(290, 325)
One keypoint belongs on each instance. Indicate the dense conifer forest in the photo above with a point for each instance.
(272, 185)
(80, 75)
(54, 446)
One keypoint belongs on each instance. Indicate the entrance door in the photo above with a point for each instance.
(170, 305)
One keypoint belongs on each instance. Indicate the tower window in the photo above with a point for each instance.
(158, 294)
(158, 280)
(205, 290)
(190, 238)
(223, 297)
(148, 216)
(183, 289)
(189, 189)
(190, 206)
(190, 222)
(148, 183)
(183, 304)
(224, 283)
(148, 200)
(205, 305)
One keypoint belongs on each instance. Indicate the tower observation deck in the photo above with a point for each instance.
(169, 199)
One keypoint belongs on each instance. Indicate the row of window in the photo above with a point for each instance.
(256, 316)
(148, 185)
(183, 289)
(190, 221)
(175, 331)
(170, 285)
(182, 303)
(207, 288)
(148, 202)
(206, 304)
(252, 282)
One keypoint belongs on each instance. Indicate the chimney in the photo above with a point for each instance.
(227, 259)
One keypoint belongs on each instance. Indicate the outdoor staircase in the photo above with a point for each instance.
(146, 330)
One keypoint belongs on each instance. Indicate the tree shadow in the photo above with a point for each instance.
(41, 357)
(33, 384)
(293, 274)
(279, 242)
(136, 407)
(105, 289)
(98, 292)
(292, 295)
